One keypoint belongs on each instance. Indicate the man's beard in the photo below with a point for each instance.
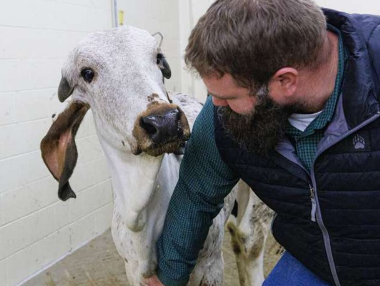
(262, 129)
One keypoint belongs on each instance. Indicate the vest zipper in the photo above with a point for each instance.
(313, 204)
(319, 219)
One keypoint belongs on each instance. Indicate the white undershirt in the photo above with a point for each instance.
(302, 121)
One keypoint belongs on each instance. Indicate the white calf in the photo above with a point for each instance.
(118, 74)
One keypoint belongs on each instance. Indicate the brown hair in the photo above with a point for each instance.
(253, 39)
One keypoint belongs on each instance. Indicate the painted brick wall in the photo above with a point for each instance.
(189, 13)
(36, 229)
(158, 16)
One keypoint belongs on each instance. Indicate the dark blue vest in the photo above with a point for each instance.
(329, 218)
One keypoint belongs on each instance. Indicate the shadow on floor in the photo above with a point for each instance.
(99, 264)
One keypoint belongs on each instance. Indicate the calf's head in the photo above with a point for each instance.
(119, 75)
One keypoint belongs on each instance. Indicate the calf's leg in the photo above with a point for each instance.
(249, 232)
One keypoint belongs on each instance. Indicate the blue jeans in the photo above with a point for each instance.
(290, 272)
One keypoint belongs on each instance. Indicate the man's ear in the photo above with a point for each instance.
(58, 148)
(283, 84)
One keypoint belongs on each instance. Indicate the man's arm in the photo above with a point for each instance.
(204, 181)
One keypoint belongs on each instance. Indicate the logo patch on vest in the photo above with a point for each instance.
(355, 143)
(359, 142)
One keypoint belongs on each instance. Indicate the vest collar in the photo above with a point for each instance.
(358, 92)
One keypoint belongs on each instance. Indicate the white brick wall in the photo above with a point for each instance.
(158, 16)
(190, 11)
(36, 228)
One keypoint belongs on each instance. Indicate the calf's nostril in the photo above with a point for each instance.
(148, 123)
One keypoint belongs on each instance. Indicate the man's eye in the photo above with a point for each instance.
(88, 75)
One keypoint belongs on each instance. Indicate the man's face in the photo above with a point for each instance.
(255, 122)
(225, 92)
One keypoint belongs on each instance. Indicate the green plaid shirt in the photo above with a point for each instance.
(306, 142)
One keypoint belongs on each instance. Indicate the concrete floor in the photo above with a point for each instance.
(99, 264)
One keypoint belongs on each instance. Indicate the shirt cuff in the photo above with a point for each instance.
(165, 280)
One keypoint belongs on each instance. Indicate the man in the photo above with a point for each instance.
(295, 114)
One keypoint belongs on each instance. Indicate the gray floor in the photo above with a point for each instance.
(99, 264)
(95, 264)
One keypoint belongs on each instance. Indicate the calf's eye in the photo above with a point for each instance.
(88, 74)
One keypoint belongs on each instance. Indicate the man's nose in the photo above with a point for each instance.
(219, 102)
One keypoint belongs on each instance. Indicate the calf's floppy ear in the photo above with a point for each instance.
(58, 148)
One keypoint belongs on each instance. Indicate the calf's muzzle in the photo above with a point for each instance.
(162, 128)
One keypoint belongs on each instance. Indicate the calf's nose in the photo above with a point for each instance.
(163, 128)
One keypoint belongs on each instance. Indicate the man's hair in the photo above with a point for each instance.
(253, 39)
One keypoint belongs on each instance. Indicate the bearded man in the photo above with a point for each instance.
(294, 112)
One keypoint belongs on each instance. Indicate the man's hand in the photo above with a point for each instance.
(153, 281)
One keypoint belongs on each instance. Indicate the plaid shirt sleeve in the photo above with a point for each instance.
(204, 181)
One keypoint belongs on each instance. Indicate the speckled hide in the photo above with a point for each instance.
(115, 74)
